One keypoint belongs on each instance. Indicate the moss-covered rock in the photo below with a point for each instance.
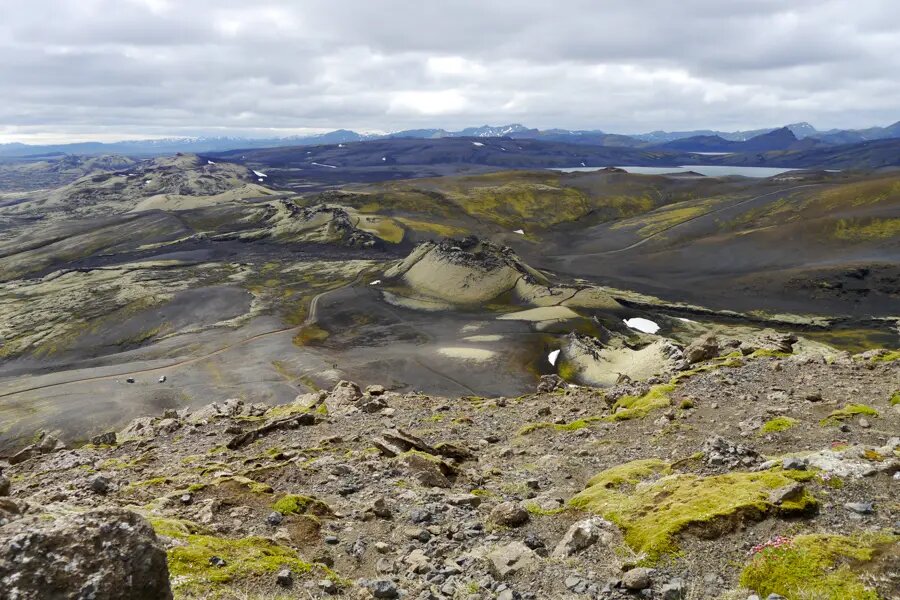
(777, 424)
(193, 572)
(653, 513)
(293, 504)
(848, 412)
(824, 567)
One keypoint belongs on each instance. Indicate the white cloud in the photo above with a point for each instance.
(155, 67)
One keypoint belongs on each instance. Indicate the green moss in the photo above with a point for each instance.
(570, 426)
(535, 509)
(652, 515)
(293, 504)
(777, 424)
(765, 352)
(253, 486)
(848, 412)
(629, 473)
(816, 566)
(636, 407)
(148, 483)
(889, 357)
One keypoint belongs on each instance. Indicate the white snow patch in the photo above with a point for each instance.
(645, 325)
(682, 319)
(553, 356)
(258, 174)
(502, 148)
(519, 231)
(323, 165)
(583, 165)
(209, 162)
(384, 158)
(340, 145)
(260, 180)
(376, 282)
(477, 144)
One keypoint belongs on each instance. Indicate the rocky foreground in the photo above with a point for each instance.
(747, 472)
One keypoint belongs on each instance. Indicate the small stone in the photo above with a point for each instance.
(217, 561)
(861, 508)
(793, 464)
(674, 590)
(285, 578)
(99, 484)
(327, 586)
(275, 518)
(375, 390)
(509, 514)
(864, 423)
(4, 486)
(774, 596)
(186, 498)
(380, 509)
(637, 579)
(382, 548)
(785, 493)
(331, 540)
(104, 439)
(384, 588)
(581, 535)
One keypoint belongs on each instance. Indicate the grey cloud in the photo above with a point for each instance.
(156, 67)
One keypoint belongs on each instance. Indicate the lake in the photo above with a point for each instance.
(708, 170)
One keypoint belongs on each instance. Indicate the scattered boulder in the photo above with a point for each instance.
(639, 578)
(104, 439)
(550, 383)
(4, 486)
(112, 554)
(427, 469)
(508, 514)
(718, 452)
(99, 484)
(703, 348)
(345, 392)
(582, 535)
(511, 559)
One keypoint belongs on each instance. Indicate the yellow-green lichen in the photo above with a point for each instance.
(848, 412)
(636, 407)
(654, 513)
(294, 504)
(817, 566)
(777, 424)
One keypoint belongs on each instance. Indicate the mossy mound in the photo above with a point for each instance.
(636, 407)
(653, 513)
(244, 558)
(817, 566)
(848, 412)
(777, 424)
(293, 504)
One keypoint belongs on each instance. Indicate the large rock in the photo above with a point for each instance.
(428, 470)
(111, 554)
(703, 348)
(584, 534)
(345, 392)
(508, 514)
(511, 559)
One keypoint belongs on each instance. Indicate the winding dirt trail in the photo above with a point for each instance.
(310, 319)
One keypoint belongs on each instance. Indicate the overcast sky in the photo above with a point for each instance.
(111, 69)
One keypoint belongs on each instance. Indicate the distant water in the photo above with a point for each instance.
(708, 170)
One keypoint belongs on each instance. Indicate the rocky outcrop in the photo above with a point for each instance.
(111, 554)
(463, 271)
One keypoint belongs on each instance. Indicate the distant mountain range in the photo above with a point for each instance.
(797, 136)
